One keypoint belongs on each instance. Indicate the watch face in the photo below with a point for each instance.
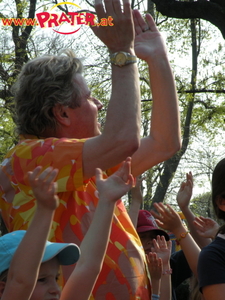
(120, 59)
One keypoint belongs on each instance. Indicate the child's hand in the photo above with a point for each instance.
(162, 248)
(118, 184)
(185, 192)
(136, 191)
(167, 218)
(44, 187)
(154, 265)
(206, 227)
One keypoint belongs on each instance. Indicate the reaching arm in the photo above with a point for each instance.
(136, 201)
(94, 244)
(169, 220)
(163, 251)
(121, 135)
(164, 139)
(183, 200)
(206, 227)
(24, 268)
(155, 270)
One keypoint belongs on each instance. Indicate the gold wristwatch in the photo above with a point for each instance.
(122, 58)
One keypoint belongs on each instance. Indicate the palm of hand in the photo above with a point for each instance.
(184, 195)
(45, 194)
(149, 44)
(163, 253)
(113, 188)
(170, 222)
(209, 228)
(44, 188)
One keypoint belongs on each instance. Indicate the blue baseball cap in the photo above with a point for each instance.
(67, 253)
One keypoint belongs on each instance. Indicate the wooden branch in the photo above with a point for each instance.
(201, 91)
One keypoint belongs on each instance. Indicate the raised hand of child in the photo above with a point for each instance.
(206, 227)
(118, 184)
(185, 192)
(167, 218)
(44, 188)
(154, 265)
(162, 248)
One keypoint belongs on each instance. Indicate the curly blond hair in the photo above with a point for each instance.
(42, 83)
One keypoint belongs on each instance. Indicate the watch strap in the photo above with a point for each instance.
(122, 58)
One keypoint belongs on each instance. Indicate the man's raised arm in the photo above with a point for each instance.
(164, 139)
(121, 135)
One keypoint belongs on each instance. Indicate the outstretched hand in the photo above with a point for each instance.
(162, 248)
(206, 227)
(166, 218)
(154, 265)
(185, 192)
(44, 187)
(136, 191)
(120, 35)
(148, 40)
(118, 184)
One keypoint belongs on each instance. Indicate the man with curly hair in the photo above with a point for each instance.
(56, 117)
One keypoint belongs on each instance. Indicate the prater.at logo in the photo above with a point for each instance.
(61, 20)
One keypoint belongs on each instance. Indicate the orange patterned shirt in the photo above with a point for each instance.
(123, 276)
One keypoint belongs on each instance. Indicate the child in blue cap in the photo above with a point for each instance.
(29, 266)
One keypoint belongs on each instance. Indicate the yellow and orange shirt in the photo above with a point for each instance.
(123, 275)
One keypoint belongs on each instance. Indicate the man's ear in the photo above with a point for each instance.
(2, 287)
(61, 113)
(221, 203)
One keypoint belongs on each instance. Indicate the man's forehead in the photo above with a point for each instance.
(80, 80)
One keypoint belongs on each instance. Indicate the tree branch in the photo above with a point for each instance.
(212, 11)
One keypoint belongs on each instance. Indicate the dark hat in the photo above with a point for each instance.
(146, 222)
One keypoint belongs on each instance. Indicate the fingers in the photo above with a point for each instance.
(47, 176)
(182, 186)
(159, 243)
(167, 218)
(131, 181)
(125, 172)
(33, 174)
(127, 8)
(142, 25)
(155, 264)
(139, 23)
(54, 187)
(190, 176)
(169, 245)
(112, 8)
(99, 9)
(98, 174)
(151, 23)
(164, 210)
(189, 179)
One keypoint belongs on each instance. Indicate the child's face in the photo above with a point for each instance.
(146, 238)
(47, 287)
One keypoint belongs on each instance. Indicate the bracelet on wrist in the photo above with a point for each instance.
(167, 272)
(155, 297)
(182, 235)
